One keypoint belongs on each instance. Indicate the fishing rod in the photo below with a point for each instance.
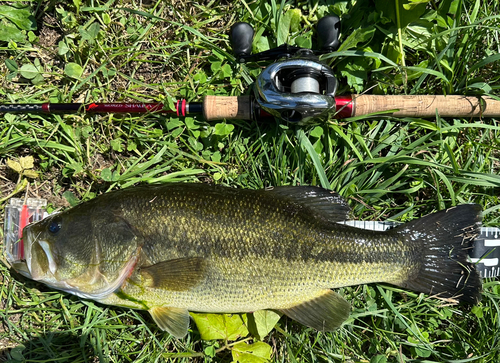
(296, 88)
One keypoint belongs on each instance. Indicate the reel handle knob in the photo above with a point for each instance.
(241, 36)
(328, 29)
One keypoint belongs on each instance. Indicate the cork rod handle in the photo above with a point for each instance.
(229, 107)
(426, 105)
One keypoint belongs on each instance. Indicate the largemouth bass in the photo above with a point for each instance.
(175, 248)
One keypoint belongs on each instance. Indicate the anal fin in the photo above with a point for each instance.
(326, 312)
(173, 320)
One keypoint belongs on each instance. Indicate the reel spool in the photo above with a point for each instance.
(298, 88)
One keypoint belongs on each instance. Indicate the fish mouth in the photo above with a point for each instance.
(31, 258)
(40, 261)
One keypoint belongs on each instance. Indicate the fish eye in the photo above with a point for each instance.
(54, 226)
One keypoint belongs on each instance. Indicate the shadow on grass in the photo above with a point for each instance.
(53, 346)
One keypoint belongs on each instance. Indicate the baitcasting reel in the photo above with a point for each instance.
(298, 87)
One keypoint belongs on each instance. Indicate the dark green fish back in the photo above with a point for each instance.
(290, 224)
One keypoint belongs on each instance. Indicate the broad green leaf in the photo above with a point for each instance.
(91, 32)
(191, 123)
(29, 71)
(106, 174)
(422, 352)
(71, 198)
(11, 65)
(215, 66)
(106, 19)
(20, 16)
(226, 70)
(261, 44)
(32, 37)
(258, 352)
(117, 145)
(131, 145)
(16, 353)
(478, 311)
(174, 123)
(282, 28)
(295, 18)
(317, 131)
(262, 322)
(62, 48)
(406, 16)
(200, 77)
(9, 32)
(221, 326)
(483, 86)
(414, 3)
(195, 144)
(380, 358)
(360, 35)
(74, 167)
(73, 70)
(210, 351)
(356, 74)
(10, 117)
(289, 21)
(223, 129)
(303, 42)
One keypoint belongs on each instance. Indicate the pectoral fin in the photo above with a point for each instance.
(324, 313)
(173, 320)
(175, 275)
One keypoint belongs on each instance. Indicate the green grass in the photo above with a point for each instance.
(387, 168)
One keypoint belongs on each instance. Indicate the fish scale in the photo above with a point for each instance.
(215, 238)
(177, 248)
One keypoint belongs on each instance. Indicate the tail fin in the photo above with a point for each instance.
(446, 238)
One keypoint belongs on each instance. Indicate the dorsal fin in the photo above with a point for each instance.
(323, 202)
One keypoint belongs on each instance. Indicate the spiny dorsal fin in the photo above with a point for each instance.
(173, 320)
(324, 202)
(175, 275)
(324, 313)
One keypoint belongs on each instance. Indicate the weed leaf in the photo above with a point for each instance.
(221, 326)
(29, 71)
(20, 16)
(73, 70)
(258, 352)
(262, 322)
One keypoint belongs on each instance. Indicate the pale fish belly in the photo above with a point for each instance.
(253, 285)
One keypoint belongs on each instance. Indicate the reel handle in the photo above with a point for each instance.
(328, 30)
(241, 36)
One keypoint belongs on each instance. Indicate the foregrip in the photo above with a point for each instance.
(227, 107)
